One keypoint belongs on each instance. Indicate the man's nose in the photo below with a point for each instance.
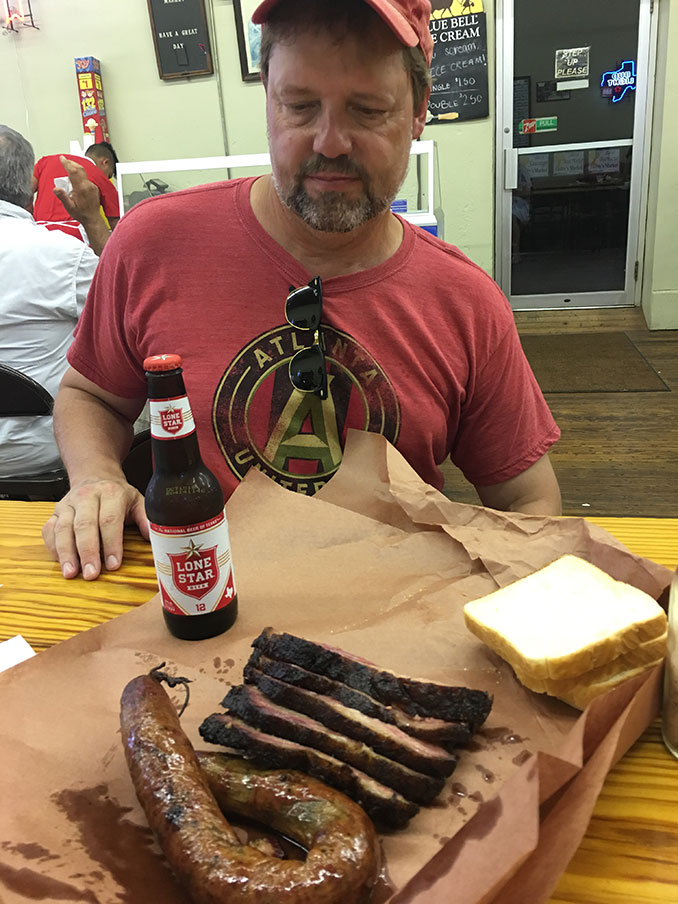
(332, 136)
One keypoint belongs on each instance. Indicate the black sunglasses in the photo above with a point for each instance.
(303, 311)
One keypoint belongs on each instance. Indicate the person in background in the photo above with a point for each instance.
(45, 277)
(99, 164)
(419, 343)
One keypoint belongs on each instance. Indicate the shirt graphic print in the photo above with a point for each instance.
(260, 420)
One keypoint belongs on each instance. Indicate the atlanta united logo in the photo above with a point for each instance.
(261, 421)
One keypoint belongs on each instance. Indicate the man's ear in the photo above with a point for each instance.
(419, 120)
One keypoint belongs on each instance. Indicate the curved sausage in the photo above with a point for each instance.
(178, 797)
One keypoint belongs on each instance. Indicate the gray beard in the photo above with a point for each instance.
(331, 211)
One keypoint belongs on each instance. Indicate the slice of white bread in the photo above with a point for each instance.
(643, 656)
(564, 620)
(580, 695)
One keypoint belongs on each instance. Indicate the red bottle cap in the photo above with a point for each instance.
(162, 362)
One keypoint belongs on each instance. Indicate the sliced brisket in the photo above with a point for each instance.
(436, 731)
(386, 739)
(381, 803)
(253, 707)
(423, 698)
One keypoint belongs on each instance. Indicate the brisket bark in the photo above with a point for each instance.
(388, 740)
(253, 707)
(423, 698)
(381, 803)
(436, 731)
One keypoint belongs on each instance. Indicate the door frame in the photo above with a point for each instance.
(506, 167)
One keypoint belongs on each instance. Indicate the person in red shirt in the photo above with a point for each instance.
(418, 343)
(99, 164)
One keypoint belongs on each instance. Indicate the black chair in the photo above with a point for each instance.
(21, 396)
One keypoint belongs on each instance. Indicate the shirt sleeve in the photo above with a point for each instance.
(506, 425)
(109, 197)
(104, 348)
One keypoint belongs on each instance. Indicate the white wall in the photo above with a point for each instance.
(660, 277)
(13, 108)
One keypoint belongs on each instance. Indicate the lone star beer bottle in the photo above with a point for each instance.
(185, 508)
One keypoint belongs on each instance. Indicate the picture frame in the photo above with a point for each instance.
(249, 39)
(180, 38)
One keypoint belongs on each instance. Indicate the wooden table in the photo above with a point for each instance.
(630, 852)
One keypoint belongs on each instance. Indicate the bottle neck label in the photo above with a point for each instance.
(171, 418)
(193, 565)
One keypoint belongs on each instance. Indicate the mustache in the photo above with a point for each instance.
(342, 166)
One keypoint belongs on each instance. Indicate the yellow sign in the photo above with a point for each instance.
(459, 8)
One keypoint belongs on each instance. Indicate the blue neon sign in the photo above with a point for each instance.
(617, 82)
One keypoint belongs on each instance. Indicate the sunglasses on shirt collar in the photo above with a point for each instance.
(303, 311)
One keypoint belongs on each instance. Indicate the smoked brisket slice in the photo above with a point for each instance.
(385, 739)
(436, 731)
(424, 698)
(381, 804)
(253, 707)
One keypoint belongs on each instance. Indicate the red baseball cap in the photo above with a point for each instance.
(407, 19)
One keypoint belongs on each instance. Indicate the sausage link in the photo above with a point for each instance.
(178, 797)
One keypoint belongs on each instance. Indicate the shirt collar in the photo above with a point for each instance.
(12, 210)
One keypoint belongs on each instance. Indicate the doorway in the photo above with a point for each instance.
(573, 103)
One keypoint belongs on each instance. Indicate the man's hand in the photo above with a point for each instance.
(83, 203)
(87, 526)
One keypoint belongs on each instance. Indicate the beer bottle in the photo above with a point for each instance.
(185, 508)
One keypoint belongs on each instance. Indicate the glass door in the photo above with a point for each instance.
(572, 108)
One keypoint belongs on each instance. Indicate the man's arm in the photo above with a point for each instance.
(534, 492)
(94, 430)
(83, 204)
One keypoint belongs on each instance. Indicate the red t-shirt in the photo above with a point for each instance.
(48, 208)
(422, 348)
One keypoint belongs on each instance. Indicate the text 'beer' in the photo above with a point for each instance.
(185, 508)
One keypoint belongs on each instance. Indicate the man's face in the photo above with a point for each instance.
(340, 125)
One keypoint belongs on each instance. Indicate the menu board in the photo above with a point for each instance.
(459, 89)
(180, 37)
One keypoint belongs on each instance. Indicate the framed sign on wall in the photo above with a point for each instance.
(249, 39)
(459, 89)
(181, 38)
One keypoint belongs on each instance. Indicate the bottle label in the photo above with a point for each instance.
(171, 418)
(193, 564)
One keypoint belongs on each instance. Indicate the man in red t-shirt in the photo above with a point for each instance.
(420, 345)
(99, 164)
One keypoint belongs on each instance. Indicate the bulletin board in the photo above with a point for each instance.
(181, 38)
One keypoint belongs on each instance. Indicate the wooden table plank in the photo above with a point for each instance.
(629, 853)
(39, 604)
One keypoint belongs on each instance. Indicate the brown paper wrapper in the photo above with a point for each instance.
(377, 563)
